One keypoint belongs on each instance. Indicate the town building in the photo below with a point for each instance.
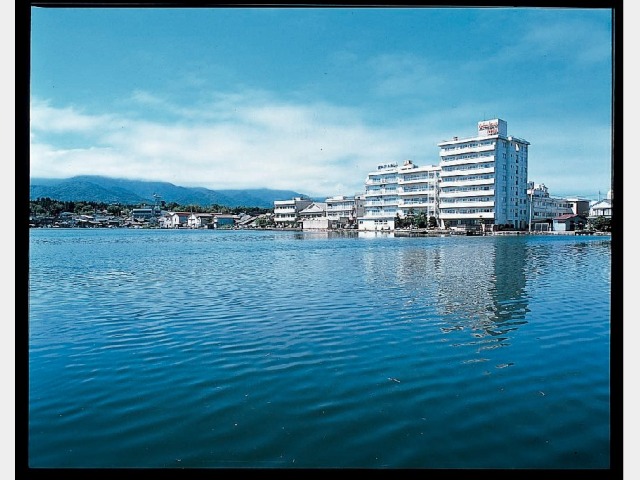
(543, 208)
(144, 213)
(579, 206)
(177, 219)
(199, 220)
(396, 191)
(342, 210)
(418, 189)
(483, 179)
(381, 199)
(314, 216)
(223, 220)
(569, 223)
(602, 208)
(287, 212)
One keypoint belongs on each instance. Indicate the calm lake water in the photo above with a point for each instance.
(265, 349)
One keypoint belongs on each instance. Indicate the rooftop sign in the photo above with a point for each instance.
(492, 127)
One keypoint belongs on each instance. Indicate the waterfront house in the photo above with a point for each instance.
(199, 220)
(286, 212)
(569, 223)
(314, 216)
(602, 208)
(579, 206)
(342, 211)
(543, 207)
(178, 219)
(142, 213)
(224, 220)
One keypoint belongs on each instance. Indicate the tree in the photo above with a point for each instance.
(602, 224)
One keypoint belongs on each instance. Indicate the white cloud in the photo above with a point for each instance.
(252, 140)
(234, 142)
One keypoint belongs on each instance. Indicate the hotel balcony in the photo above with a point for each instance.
(461, 194)
(476, 204)
(284, 211)
(447, 152)
(380, 181)
(380, 193)
(419, 180)
(464, 161)
(467, 171)
(417, 191)
(469, 183)
(424, 204)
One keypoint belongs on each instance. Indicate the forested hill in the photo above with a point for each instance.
(131, 192)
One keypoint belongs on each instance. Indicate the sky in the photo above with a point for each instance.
(313, 99)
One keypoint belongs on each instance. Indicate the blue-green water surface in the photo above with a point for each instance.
(269, 349)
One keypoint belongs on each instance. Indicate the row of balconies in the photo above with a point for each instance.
(486, 203)
(454, 160)
(469, 193)
(470, 182)
(469, 171)
(461, 149)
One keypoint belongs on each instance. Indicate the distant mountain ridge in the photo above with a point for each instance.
(119, 190)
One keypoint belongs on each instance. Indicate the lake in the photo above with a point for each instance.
(281, 349)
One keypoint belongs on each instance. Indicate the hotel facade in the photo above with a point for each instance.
(483, 179)
(397, 191)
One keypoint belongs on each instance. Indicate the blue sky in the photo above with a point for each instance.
(312, 99)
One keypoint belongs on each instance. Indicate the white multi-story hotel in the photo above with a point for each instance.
(483, 179)
(395, 191)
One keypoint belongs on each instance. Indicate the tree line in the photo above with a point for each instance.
(48, 207)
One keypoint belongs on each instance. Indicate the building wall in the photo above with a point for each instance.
(544, 207)
(395, 191)
(286, 212)
(418, 189)
(380, 198)
(484, 178)
(321, 223)
(341, 210)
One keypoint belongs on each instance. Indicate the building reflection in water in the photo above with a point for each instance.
(472, 289)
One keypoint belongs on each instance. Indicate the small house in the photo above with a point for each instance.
(569, 223)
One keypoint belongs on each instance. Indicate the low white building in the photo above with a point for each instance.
(314, 216)
(543, 208)
(342, 210)
(602, 208)
(177, 219)
(199, 220)
(286, 212)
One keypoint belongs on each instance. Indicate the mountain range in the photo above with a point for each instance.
(134, 192)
